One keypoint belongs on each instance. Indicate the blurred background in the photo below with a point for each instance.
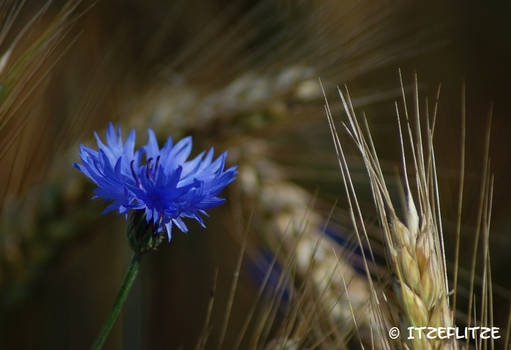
(241, 76)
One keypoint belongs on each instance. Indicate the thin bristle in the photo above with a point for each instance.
(232, 293)
(460, 195)
(206, 330)
(483, 195)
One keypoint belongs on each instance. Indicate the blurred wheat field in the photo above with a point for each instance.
(241, 76)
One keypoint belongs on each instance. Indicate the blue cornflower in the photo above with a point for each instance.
(166, 188)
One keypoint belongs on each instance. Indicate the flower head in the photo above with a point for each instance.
(166, 187)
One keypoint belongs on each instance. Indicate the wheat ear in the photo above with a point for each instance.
(415, 246)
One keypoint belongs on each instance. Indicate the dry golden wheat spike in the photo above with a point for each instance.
(415, 245)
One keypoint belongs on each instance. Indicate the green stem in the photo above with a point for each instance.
(119, 301)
